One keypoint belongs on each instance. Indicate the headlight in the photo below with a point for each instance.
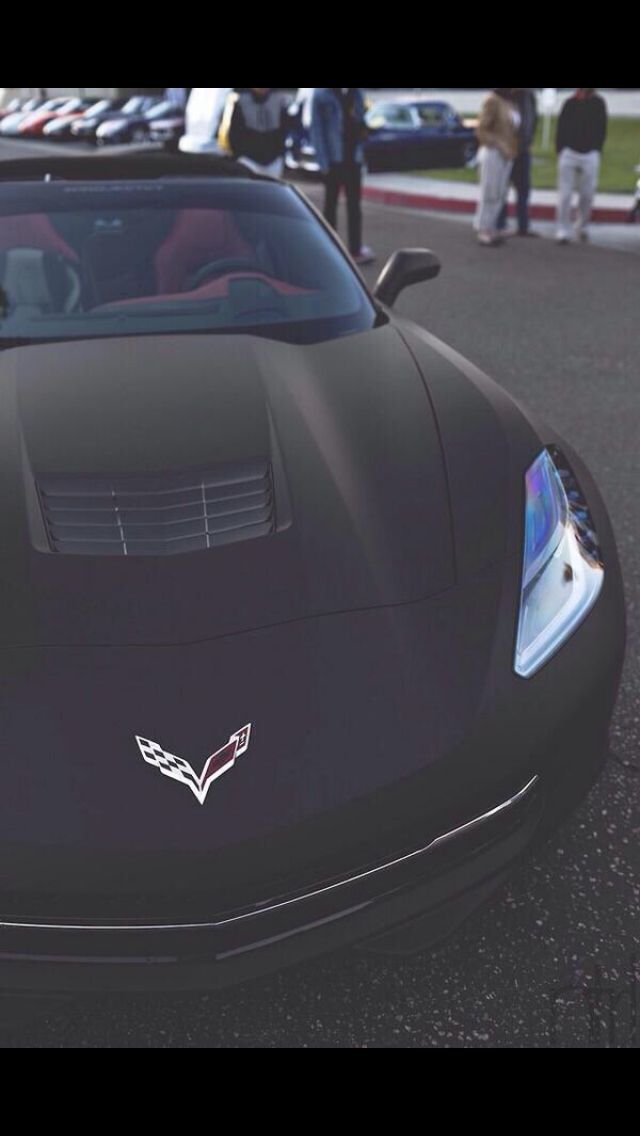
(563, 571)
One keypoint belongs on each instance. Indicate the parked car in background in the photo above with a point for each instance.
(9, 126)
(420, 134)
(132, 127)
(34, 125)
(85, 129)
(60, 128)
(407, 134)
(12, 107)
(300, 155)
(204, 114)
(168, 129)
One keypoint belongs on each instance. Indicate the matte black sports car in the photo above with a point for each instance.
(308, 630)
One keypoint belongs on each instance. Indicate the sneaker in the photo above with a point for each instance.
(488, 240)
(529, 233)
(563, 241)
(365, 256)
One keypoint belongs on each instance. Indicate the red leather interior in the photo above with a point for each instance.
(35, 231)
(198, 236)
(213, 290)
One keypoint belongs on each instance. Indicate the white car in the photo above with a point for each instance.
(303, 102)
(300, 155)
(204, 114)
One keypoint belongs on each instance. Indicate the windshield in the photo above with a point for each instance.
(81, 260)
(431, 113)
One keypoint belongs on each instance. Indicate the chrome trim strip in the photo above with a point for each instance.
(446, 838)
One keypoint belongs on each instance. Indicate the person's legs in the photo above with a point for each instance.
(482, 217)
(521, 182)
(503, 216)
(495, 171)
(566, 185)
(353, 185)
(590, 172)
(333, 183)
(521, 178)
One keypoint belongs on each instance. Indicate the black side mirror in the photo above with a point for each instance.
(404, 268)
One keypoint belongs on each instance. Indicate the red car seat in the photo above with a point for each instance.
(198, 237)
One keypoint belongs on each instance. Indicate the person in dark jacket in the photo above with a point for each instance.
(525, 100)
(258, 129)
(582, 133)
(338, 132)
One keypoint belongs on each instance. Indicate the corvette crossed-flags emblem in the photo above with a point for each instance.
(180, 770)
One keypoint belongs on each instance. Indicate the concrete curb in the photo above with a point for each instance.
(450, 204)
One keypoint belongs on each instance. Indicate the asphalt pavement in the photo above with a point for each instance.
(555, 962)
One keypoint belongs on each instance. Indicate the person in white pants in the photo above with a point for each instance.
(495, 174)
(497, 134)
(576, 173)
(582, 133)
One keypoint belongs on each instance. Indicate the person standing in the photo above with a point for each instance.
(258, 129)
(338, 132)
(526, 103)
(582, 133)
(497, 133)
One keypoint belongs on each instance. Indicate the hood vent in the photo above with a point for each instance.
(158, 515)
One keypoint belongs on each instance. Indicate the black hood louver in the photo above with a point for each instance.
(160, 514)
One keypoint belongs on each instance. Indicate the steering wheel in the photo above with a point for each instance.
(223, 267)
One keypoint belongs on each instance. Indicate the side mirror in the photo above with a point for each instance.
(405, 268)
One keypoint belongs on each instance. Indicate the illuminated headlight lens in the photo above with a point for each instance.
(563, 571)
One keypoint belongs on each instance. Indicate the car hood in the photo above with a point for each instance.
(116, 123)
(361, 509)
(59, 122)
(91, 123)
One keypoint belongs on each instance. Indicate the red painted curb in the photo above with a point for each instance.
(407, 200)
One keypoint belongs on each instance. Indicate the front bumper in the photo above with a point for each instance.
(421, 895)
(395, 905)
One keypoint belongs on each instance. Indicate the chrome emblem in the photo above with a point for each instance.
(180, 770)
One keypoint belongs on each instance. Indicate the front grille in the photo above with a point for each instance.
(158, 515)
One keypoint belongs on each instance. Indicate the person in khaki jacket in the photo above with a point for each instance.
(498, 131)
